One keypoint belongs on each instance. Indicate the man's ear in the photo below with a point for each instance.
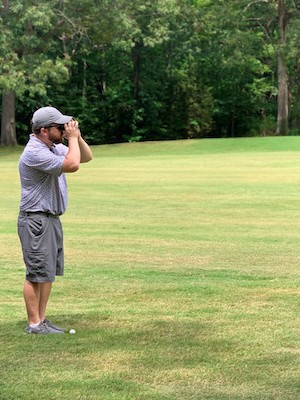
(43, 131)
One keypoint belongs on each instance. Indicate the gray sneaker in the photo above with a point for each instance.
(41, 329)
(50, 325)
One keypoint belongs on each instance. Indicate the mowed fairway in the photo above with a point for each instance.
(182, 276)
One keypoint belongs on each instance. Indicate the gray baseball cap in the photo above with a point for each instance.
(46, 116)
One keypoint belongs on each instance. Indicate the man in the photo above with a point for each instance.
(42, 167)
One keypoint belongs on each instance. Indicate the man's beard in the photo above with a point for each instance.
(56, 140)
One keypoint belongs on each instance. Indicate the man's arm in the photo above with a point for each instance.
(72, 160)
(86, 154)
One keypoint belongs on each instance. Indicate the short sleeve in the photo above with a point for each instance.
(45, 161)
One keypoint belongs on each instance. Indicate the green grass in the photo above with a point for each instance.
(182, 276)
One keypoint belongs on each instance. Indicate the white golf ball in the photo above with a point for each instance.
(72, 331)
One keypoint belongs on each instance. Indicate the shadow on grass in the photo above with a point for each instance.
(154, 359)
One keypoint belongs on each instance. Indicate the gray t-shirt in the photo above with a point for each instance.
(44, 186)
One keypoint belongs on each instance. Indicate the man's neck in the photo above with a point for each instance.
(44, 140)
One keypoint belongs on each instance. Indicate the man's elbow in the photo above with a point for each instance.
(86, 159)
(70, 167)
(74, 168)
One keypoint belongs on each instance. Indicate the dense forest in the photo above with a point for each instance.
(152, 70)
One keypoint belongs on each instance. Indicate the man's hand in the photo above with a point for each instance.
(71, 130)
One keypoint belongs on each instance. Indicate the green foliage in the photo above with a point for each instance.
(27, 59)
(149, 70)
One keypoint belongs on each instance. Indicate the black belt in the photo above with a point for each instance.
(46, 214)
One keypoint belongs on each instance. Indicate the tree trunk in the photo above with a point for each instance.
(283, 90)
(297, 120)
(263, 123)
(8, 120)
(8, 135)
(5, 6)
(136, 70)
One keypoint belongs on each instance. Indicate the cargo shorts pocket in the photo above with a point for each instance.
(36, 264)
(37, 226)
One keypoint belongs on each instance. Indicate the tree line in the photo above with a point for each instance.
(152, 70)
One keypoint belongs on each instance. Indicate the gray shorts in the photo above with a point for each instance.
(41, 238)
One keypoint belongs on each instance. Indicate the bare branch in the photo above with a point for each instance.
(59, 12)
(264, 29)
(254, 2)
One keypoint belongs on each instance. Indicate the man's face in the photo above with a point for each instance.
(55, 133)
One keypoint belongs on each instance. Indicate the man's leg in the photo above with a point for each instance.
(32, 300)
(36, 296)
(45, 290)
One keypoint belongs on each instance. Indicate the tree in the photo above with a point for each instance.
(274, 17)
(153, 70)
(231, 60)
(283, 86)
(142, 75)
(28, 59)
(8, 99)
(8, 127)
